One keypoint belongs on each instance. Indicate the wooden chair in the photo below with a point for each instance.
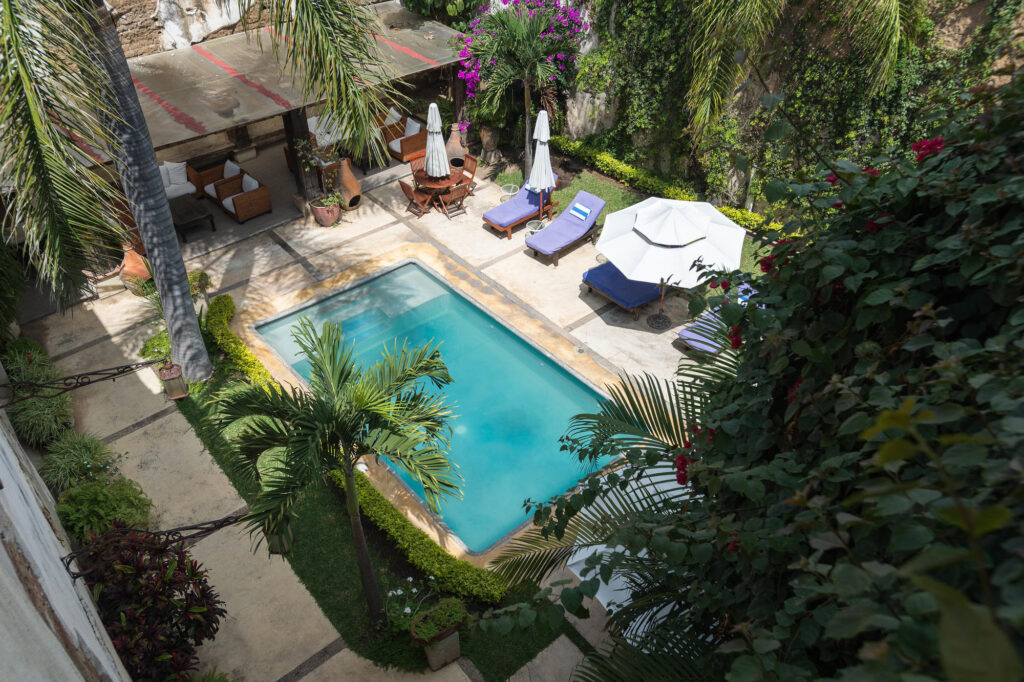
(240, 203)
(453, 202)
(469, 173)
(418, 163)
(419, 201)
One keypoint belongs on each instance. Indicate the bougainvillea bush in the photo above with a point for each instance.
(154, 599)
(858, 513)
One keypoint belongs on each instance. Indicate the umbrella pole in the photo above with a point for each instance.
(661, 304)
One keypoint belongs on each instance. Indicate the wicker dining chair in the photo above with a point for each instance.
(419, 201)
(453, 202)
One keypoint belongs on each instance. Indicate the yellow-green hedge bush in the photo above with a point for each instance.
(452, 575)
(647, 182)
(218, 319)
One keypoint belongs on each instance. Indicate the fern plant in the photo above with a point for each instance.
(75, 458)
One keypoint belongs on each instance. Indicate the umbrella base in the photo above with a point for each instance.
(659, 321)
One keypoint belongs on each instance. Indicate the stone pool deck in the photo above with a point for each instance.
(274, 630)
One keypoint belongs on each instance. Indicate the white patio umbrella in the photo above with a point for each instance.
(659, 240)
(542, 178)
(436, 163)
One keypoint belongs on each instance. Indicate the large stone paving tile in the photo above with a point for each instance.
(88, 321)
(106, 407)
(556, 663)
(308, 238)
(272, 623)
(249, 259)
(630, 344)
(169, 462)
(271, 285)
(346, 666)
(362, 249)
(556, 292)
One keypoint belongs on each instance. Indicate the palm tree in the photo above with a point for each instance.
(726, 30)
(514, 52)
(67, 87)
(650, 422)
(56, 205)
(291, 439)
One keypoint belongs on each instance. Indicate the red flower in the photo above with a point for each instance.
(926, 148)
(791, 395)
(687, 444)
(683, 469)
(713, 284)
(872, 227)
(725, 286)
(767, 264)
(735, 342)
(832, 179)
(711, 434)
(734, 545)
(869, 171)
(838, 204)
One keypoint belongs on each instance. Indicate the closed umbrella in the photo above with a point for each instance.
(436, 162)
(541, 176)
(659, 240)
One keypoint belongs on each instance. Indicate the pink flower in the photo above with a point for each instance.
(713, 284)
(869, 171)
(734, 545)
(832, 179)
(926, 148)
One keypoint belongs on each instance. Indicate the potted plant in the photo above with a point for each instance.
(437, 631)
(327, 209)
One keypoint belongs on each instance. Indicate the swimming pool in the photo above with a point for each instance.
(512, 401)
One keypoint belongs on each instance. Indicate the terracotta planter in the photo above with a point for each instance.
(325, 215)
(348, 185)
(456, 146)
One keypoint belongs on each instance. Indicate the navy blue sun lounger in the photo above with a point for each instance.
(606, 280)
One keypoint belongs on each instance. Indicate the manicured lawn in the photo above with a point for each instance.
(323, 560)
(617, 197)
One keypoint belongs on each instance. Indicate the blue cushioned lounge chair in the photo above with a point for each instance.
(700, 334)
(567, 230)
(525, 205)
(607, 280)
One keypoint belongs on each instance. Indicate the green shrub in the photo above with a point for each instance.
(92, 506)
(650, 183)
(39, 420)
(218, 319)
(25, 359)
(213, 675)
(157, 346)
(443, 615)
(76, 458)
(452, 575)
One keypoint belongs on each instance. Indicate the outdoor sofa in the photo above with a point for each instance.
(631, 295)
(570, 227)
(524, 206)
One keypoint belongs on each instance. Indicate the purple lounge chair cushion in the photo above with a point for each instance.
(706, 323)
(566, 228)
(517, 209)
(628, 293)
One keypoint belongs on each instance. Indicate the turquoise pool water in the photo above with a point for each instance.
(512, 402)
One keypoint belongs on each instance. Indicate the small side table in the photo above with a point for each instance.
(535, 226)
(508, 191)
(187, 212)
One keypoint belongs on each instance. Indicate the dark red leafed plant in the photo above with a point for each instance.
(154, 599)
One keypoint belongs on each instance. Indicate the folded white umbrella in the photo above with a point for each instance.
(436, 163)
(542, 178)
(659, 240)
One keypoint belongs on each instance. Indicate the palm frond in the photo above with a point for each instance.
(879, 28)
(332, 365)
(53, 107)
(663, 654)
(333, 53)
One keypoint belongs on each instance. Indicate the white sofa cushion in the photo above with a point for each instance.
(229, 204)
(392, 117)
(231, 169)
(211, 191)
(396, 146)
(180, 190)
(176, 174)
(249, 183)
(164, 176)
(411, 127)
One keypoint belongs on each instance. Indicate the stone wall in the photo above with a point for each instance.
(49, 627)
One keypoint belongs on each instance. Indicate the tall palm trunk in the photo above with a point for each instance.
(366, 574)
(140, 176)
(528, 159)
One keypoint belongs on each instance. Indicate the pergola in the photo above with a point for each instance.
(228, 82)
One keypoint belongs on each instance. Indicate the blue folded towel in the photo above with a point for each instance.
(580, 211)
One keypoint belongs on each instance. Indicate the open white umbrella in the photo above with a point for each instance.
(436, 162)
(659, 240)
(542, 178)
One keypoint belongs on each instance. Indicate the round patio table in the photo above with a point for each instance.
(437, 186)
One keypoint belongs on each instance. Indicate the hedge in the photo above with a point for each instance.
(218, 319)
(452, 575)
(650, 183)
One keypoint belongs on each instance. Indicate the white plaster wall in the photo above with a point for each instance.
(186, 22)
(30, 648)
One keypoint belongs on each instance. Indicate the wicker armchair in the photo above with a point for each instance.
(401, 146)
(240, 203)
